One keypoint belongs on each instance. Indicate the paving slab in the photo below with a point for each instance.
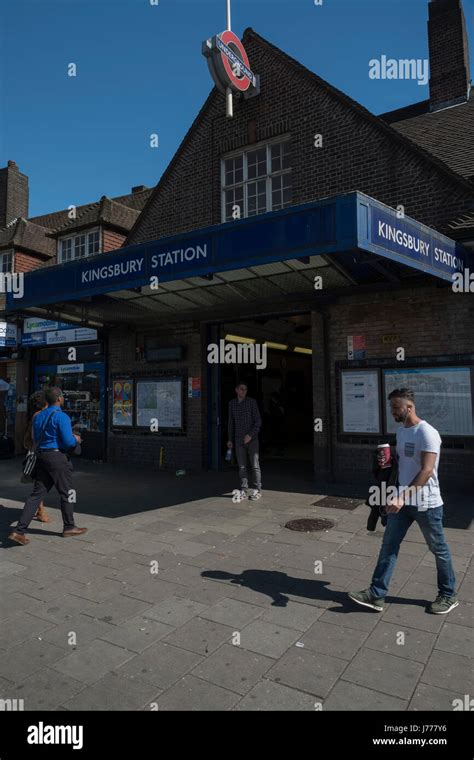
(112, 692)
(270, 696)
(192, 694)
(175, 611)
(450, 671)
(328, 640)
(307, 671)
(351, 696)
(233, 668)
(160, 664)
(199, 635)
(396, 676)
(429, 698)
(47, 689)
(93, 661)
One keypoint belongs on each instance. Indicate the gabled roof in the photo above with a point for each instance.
(106, 211)
(392, 132)
(59, 218)
(29, 236)
(447, 134)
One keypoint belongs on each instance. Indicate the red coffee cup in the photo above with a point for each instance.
(385, 448)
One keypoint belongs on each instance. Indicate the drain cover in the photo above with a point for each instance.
(338, 502)
(308, 525)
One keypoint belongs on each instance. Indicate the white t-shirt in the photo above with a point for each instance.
(411, 441)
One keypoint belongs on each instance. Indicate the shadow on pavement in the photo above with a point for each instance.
(276, 584)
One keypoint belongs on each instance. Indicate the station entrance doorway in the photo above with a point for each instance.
(280, 379)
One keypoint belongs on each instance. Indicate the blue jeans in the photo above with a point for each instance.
(431, 525)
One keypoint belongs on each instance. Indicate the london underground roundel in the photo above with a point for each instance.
(237, 73)
(229, 64)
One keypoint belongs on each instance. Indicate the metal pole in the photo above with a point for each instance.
(229, 104)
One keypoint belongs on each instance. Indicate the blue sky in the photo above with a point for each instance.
(140, 71)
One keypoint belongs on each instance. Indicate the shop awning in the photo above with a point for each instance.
(352, 238)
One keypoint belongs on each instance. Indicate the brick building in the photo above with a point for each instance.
(305, 224)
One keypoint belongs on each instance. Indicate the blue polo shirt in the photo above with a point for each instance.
(58, 431)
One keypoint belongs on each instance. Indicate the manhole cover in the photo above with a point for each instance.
(308, 525)
(338, 502)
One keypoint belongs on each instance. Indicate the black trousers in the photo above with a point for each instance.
(53, 469)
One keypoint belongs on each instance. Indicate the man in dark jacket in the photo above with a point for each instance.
(243, 428)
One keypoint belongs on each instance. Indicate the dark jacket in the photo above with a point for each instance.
(388, 475)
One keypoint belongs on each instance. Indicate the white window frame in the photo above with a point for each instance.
(4, 255)
(73, 237)
(246, 180)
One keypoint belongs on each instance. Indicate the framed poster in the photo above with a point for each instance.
(360, 401)
(162, 400)
(122, 402)
(443, 397)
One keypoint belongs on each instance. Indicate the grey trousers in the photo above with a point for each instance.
(243, 453)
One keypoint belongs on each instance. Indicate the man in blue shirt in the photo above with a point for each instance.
(53, 437)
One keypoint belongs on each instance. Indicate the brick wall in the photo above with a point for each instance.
(431, 322)
(25, 262)
(111, 240)
(185, 450)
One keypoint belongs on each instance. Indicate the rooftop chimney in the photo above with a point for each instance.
(13, 194)
(449, 54)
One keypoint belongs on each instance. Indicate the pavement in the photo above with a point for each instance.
(179, 599)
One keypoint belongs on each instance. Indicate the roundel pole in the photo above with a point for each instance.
(229, 104)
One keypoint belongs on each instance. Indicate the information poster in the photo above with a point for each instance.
(122, 414)
(160, 400)
(360, 401)
(443, 397)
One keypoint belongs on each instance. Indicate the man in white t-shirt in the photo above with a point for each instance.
(419, 500)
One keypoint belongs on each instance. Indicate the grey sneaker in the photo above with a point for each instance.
(255, 494)
(366, 599)
(443, 605)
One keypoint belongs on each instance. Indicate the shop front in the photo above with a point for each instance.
(64, 355)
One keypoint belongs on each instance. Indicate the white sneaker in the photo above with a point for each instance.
(238, 495)
(255, 494)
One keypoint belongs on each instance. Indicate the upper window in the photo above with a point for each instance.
(6, 262)
(77, 246)
(257, 180)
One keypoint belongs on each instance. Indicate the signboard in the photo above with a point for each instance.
(68, 369)
(8, 334)
(194, 387)
(34, 325)
(70, 336)
(122, 406)
(416, 244)
(159, 400)
(443, 397)
(356, 347)
(334, 225)
(55, 336)
(229, 64)
(360, 401)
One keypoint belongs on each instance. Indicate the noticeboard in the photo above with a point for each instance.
(360, 401)
(161, 400)
(443, 397)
